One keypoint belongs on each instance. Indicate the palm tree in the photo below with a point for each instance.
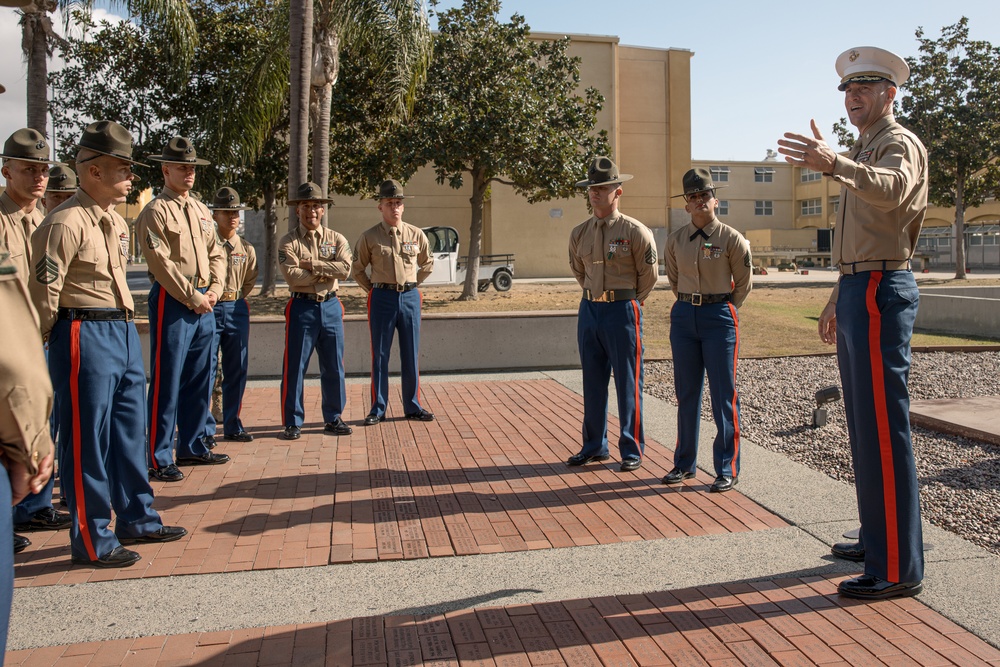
(38, 39)
(393, 35)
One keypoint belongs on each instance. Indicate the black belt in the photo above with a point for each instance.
(610, 295)
(96, 314)
(309, 296)
(697, 299)
(877, 265)
(405, 287)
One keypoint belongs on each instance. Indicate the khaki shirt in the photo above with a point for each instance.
(241, 263)
(178, 240)
(329, 253)
(15, 231)
(622, 247)
(719, 264)
(884, 196)
(375, 248)
(82, 254)
(25, 388)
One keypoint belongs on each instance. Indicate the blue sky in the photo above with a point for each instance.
(759, 68)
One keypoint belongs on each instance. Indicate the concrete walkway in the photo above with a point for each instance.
(467, 541)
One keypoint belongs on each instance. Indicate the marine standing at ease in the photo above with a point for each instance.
(709, 267)
(613, 257)
(870, 315)
(400, 259)
(187, 267)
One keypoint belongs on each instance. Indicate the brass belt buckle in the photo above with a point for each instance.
(400, 287)
(696, 299)
(601, 299)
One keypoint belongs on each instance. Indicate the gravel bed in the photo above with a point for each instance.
(959, 477)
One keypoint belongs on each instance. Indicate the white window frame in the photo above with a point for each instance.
(811, 207)
(763, 175)
(763, 207)
(723, 206)
(807, 175)
(719, 174)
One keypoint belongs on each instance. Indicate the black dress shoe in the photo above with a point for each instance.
(421, 415)
(373, 419)
(676, 476)
(867, 587)
(239, 436)
(209, 441)
(292, 433)
(119, 557)
(20, 543)
(164, 534)
(206, 459)
(848, 551)
(338, 427)
(583, 459)
(630, 463)
(46, 519)
(170, 473)
(723, 484)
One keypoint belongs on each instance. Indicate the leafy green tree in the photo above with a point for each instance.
(500, 107)
(952, 99)
(38, 39)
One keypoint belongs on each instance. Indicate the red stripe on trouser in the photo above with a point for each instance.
(882, 422)
(154, 412)
(74, 391)
(284, 365)
(637, 313)
(371, 347)
(736, 417)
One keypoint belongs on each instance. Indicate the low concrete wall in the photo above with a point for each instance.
(970, 311)
(448, 342)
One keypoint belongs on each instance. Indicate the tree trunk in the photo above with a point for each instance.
(300, 27)
(470, 289)
(36, 49)
(325, 68)
(321, 137)
(269, 264)
(960, 229)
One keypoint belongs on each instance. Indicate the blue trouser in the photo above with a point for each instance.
(706, 339)
(180, 395)
(875, 315)
(96, 367)
(389, 312)
(232, 334)
(6, 560)
(609, 336)
(308, 325)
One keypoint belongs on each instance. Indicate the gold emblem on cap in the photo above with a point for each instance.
(854, 56)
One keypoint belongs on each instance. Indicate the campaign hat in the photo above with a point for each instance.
(61, 179)
(227, 199)
(309, 192)
(106, 137)
(391, 189)
(27, 145)
(697, 180)
(603, 171)
(179, 150)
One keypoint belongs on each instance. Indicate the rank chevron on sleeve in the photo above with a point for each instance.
(46, 270)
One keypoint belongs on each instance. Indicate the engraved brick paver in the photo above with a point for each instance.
(488, 476)
(599, 631)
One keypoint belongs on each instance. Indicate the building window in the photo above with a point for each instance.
(990, 239)
(808, 175)
(976, 239)
(763, 207)
(723, 207)
(763, 174)
(719, 174)
(835, 203)
(944, 242)
(812, 207)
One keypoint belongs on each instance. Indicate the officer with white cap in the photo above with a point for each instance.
(870, 315)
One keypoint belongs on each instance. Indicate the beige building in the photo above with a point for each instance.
(788, 214)
(647, 115)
